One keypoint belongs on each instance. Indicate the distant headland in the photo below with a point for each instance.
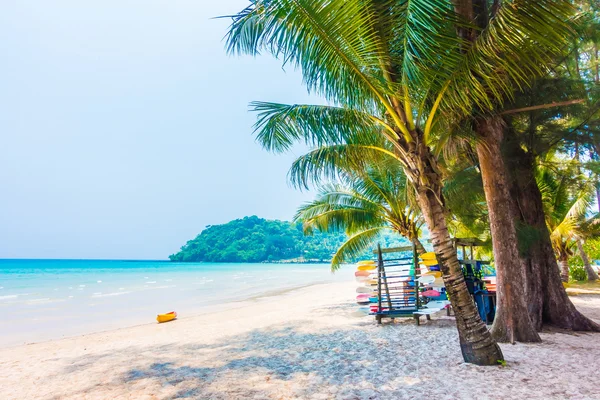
(253, 239)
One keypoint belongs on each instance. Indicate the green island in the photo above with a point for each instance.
(254, 239)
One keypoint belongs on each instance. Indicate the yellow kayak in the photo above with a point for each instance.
(429, 262)
(436, 274)
(427, 256)
(366, 262)
(166, 317)
(365, 267)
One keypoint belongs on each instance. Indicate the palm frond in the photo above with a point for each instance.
(518, 44)
(355, 246)
(279, 126)
(330, 162)
(335, 43)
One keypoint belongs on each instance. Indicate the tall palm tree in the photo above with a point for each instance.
(567, 201)
(365, 204)
(392, 68)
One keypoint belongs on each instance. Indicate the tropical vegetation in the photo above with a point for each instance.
(363, 203)
(445, 88)
(253, 239)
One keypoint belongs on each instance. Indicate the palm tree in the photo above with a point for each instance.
(567, 200)
(365, 204)
(392, 68)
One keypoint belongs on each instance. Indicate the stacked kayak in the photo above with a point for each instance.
(400, 286)
(386, 287)
(432, 283)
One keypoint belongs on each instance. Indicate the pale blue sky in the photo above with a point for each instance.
(124, 128)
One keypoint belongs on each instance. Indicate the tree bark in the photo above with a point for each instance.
(548, 301)
(563, 262)
(591, 274)
(420, 248)
(512, 322)
(477, 345)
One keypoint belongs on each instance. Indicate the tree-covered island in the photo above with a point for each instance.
(254, 239)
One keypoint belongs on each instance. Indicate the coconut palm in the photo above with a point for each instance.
(393, 68)
(365, 204)
(567, 200)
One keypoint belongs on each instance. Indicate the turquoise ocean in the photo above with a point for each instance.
(49, 299)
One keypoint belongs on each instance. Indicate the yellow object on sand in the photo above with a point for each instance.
(366, 267)
(166, 317)
(428, 262)
(427, 256)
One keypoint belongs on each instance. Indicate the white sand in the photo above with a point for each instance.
(306, 344)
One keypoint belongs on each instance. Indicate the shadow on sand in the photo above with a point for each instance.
(286, 362)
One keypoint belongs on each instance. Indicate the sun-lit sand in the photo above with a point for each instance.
(306, 344)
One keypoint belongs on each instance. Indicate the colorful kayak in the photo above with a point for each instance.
(435, 274)
(428, 256)
(366, 262)
(367, 267)
(362, 273)
(431, 293)
(166, 317)
(426, 279)
(438, 283)
(428, 262)
(364, 289)
(438, 304)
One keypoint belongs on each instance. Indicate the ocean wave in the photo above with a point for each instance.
(11, 296)
(42, 301)
(95, 296)
(203, 282)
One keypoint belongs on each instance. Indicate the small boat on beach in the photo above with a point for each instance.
(166, 317)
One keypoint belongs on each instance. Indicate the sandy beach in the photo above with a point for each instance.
(308, 343)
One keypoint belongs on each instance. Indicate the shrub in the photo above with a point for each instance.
(577, 273)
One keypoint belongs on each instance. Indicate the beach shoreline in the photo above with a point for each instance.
(226, 306)
(48, 299)
(306, 343)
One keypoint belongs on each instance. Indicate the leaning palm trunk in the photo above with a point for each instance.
(393, 67)
(512, 322)
(476, 343)
(591, 274)
(419, 246)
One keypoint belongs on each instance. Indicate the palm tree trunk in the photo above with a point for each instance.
(563, 263)
(420, 248)
(476, 343)
(548, 301)
(591, 274)
(512, 322)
